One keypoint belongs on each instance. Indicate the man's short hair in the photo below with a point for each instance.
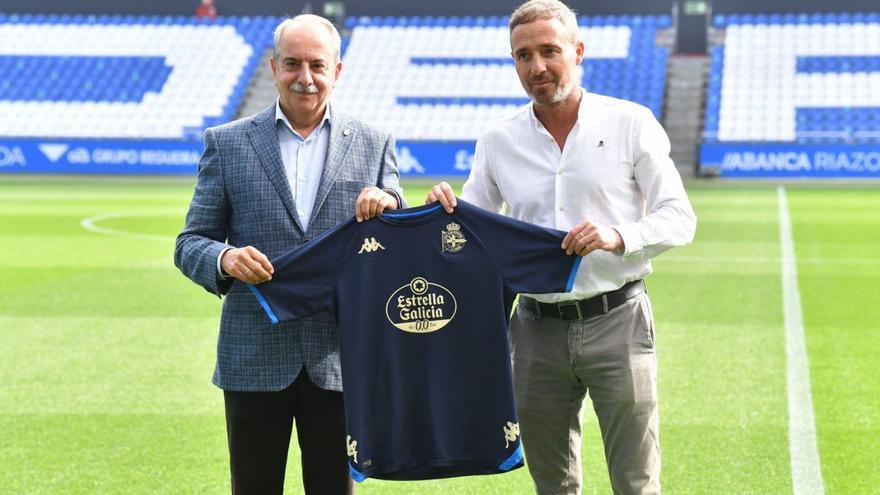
(546, 9)
(307, 19)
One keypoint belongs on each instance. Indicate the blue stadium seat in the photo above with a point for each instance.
(824, 121)
(115, 79)
(639, 74)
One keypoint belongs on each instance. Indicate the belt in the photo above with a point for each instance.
(582, 309)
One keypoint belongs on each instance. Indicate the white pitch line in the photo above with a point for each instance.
(683, 258)
(89, 224)
(806, 473)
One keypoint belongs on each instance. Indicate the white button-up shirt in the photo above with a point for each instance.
(614, 170)
(303, 160)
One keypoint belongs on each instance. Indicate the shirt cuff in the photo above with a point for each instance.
(632, 238)
(220, 270)
(396, 197)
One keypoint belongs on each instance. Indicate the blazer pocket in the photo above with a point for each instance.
(351, 186)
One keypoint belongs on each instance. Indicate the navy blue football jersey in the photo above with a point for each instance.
(422, 300)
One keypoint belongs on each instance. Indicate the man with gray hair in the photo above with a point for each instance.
(267, 184)
(599, 168)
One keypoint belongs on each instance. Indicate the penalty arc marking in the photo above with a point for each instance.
(90, 225)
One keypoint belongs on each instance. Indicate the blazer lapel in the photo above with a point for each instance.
(264, 139)
(341, 136)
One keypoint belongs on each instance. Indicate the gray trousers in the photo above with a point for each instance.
(556, 363)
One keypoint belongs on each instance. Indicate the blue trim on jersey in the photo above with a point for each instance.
(513, 460)
(263, 303)
(573, 274)
(419, 213)
(355, 474)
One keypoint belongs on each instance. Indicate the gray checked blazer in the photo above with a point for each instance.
(242, 198)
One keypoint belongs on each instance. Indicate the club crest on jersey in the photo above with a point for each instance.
(511, 433)
(370, 245)
(451, 239)
(421, 307)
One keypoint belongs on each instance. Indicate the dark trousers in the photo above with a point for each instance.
(258, 428)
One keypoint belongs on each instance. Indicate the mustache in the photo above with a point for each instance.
(541, 79)
(298, 87)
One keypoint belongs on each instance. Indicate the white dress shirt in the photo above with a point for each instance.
(303, 160)
(614, 170)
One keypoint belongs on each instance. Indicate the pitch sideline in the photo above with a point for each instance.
(806, 473)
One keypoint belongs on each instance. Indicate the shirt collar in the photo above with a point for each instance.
(279, 115)
(582, 107)
(581, 111)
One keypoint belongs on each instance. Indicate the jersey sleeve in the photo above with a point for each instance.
(304, 282)
(529, 257)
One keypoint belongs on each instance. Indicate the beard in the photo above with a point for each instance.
(565, 86)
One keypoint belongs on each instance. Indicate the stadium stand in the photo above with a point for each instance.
(133, 94)
(133, 77)
(803, 78)
(423, 78)
(445, 78)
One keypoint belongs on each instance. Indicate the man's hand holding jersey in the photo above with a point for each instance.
(372, 201)
(586, 237)
(247, 264)
(443, 193)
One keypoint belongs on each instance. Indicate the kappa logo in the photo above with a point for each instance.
(370, 245)
(351, 446)
(408, 163)
(511, 433)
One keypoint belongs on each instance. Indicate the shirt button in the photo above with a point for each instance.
(561, 208)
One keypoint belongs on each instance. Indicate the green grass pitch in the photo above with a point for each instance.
(106, 350)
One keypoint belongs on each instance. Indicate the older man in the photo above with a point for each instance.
(599, 168)
(267, 184)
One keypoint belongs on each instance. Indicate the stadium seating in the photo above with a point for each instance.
(163, 77)
(446, 78)
(124, 76)
(809, 78)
